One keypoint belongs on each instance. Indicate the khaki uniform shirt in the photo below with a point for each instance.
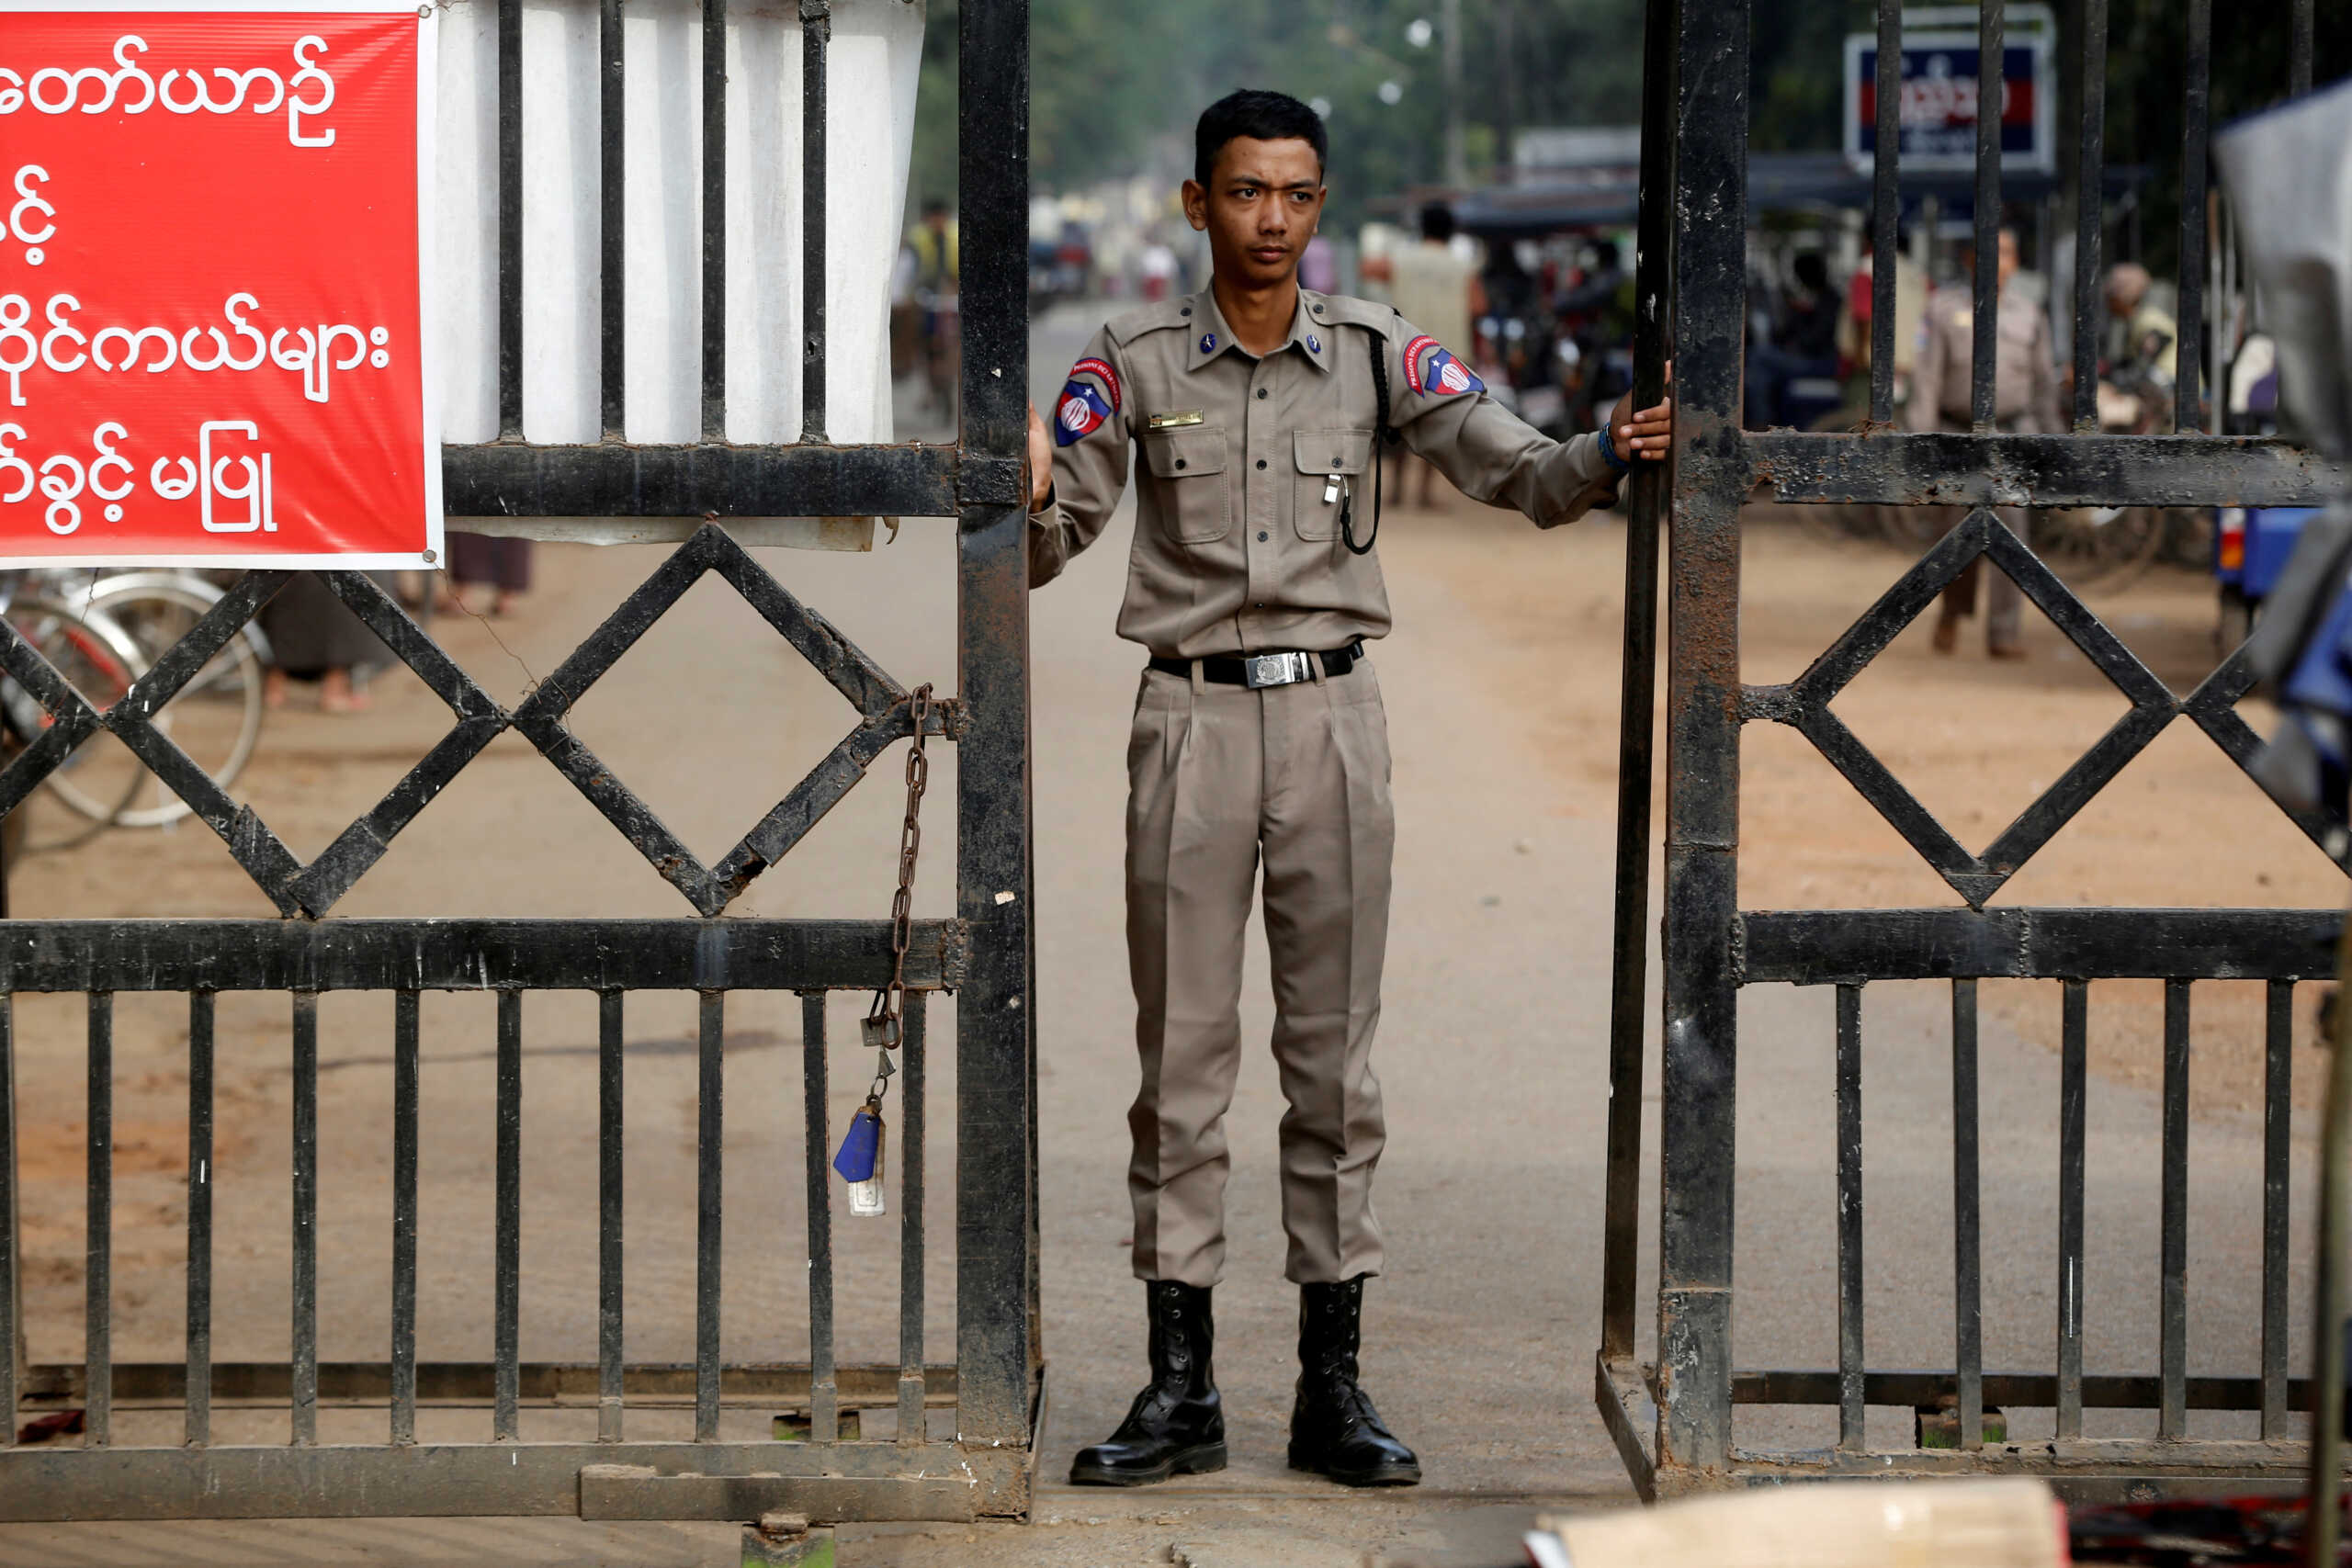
(1245, 463)
(2024, 365)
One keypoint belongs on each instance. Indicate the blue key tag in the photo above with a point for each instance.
(859, 1160)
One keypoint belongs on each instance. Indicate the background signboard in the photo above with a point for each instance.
(215, 339)
(1940, 88)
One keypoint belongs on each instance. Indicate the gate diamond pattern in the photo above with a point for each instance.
(312, 889)
(1803, 703)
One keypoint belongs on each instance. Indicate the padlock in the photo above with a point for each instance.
(859, 1160)
(880, 1031)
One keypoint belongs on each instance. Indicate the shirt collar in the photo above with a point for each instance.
(1310, 336)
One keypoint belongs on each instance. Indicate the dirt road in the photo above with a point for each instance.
(1502, 684)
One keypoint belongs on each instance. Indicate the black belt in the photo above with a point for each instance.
(1256, 671)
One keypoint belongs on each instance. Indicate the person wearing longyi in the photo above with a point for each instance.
(1255, 408)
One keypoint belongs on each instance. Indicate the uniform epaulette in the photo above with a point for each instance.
(1166, 315)
(1352, 312)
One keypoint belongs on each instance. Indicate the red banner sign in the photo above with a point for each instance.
(214, 339)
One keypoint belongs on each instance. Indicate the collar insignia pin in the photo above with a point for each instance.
(1314, 343)
(1208, 343)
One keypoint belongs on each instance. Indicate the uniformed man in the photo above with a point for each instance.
(2025, 399)
(1254, 407)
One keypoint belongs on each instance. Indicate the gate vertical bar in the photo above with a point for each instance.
(613, 216)
(1886, 200)
(2090, 215)
(1710, 481)
(2074, 1008)
(2278, 1162)
(1637, 707)
(98, 1314)
(1984, 321)
(303, 1378)
(1851, 1411)
(2172, 1309)
(713, 220)
(407, 1086)
(198, 1429)
(912, 1420)
(824, 1401)
(611, 1105)
(510, 219)
(995, 1300)
(710, 1146)
(1967, 1219)
(2189, 353)
(506, 1291)
(816, 35)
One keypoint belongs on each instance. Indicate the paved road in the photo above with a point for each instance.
(1479, 1342)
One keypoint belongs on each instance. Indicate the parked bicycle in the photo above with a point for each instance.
(102, 631)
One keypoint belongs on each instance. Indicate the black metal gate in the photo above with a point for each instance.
(1674, 1420)
(984, 955)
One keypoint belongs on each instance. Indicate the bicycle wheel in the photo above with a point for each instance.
(100, 661)
(2108, 547)
(217, 717)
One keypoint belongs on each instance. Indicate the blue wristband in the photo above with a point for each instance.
(1609, 452)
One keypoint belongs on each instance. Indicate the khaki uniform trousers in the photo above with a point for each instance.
(1219, 778)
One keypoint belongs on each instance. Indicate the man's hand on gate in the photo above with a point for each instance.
(1037, 473)
(1648, 433)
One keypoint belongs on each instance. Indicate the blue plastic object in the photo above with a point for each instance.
(861, 1145)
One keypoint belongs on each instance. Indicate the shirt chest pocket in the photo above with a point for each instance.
(1188, 470)
(1321, 457)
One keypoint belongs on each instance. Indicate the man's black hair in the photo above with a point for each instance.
(1812, 272)
(1257, 116)
(1437, 221)
(935, 205)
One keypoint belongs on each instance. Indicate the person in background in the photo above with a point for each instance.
(1438, 291)
(479, 560)
(2024, 401)
(1319, 269)
(1804, 344)
(939, 260)
(313, 637)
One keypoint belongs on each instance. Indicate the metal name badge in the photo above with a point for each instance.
(1175, 421)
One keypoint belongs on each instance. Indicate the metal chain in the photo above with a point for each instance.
(886, 1020)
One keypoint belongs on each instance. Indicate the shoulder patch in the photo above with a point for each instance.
(1431, 372)
(1089, 400)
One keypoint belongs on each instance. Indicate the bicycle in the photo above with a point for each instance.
(102, 633)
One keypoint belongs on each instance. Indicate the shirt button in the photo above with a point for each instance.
(1180, 462)
(1261, 392)
(1261, 537)
(1261, 462)
(1185, 311)
(1259, 605)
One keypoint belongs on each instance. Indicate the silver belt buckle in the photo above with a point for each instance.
(1263, 670)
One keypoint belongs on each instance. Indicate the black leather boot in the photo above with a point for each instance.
(1334, 1430)
(1176, 1426)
